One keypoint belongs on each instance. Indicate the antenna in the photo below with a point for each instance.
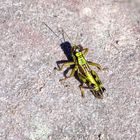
(52, 30)
(62, 32)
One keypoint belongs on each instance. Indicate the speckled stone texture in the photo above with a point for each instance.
(34, 105)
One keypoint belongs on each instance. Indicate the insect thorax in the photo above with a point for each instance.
(80, 58)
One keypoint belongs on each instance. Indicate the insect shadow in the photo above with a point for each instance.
(66, 48)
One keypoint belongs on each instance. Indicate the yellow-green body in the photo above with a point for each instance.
(86, 75)
(82, 67)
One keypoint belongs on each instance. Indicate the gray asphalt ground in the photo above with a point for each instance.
(34, 105)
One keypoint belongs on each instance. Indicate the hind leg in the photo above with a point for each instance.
(97, 65)
(83, 80)
(99, 89)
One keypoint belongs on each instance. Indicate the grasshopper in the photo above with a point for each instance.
(88, 77)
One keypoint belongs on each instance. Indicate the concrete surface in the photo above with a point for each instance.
(34, 105)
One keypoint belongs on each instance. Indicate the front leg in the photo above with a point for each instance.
(71, 75)
(85, 51)
(68, 64)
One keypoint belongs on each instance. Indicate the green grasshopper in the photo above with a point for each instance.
(85, 74)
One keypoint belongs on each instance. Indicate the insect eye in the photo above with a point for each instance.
(77, 50)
